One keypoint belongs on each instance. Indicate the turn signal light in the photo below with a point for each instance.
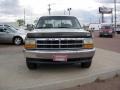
(88, 46)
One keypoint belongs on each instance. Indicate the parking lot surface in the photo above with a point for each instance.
(14, 74)
(112, 44)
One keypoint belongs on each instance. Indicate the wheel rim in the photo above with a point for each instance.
(17, 41)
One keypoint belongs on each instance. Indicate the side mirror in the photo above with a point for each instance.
(7, 31)
(30, 27)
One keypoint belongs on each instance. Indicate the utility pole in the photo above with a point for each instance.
(99, 21)
(69, 9)
(112, 16)
(90, 20)
(49, 8)
(24, 17)
(102, 18)
(64, 12)
(115, 13)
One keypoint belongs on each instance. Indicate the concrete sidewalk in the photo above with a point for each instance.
(14, 74)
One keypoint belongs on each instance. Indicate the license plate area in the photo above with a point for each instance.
(60, 58)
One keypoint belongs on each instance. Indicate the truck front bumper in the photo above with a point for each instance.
(40, 56)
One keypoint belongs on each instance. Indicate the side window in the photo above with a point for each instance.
(1, 29)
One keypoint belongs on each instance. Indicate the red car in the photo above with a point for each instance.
(106, 30)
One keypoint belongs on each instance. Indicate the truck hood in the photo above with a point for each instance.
(58, 30)
(58, 33)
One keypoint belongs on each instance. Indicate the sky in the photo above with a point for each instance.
(85, 10)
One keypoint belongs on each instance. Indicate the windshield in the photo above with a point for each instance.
(11, 27)
(58, 22)
(106, 27)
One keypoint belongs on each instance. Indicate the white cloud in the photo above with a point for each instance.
(41, 6)
(83, 9)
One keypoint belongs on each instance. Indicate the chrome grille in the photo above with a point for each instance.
(59, 43)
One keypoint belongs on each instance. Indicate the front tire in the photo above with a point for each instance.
(31, 66)
(86, 64)
(111, 36)
(118, 32)
(100, 35)
(17, 40)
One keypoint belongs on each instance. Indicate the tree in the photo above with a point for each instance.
(20, 22)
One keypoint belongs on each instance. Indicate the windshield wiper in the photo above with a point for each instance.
(43, 27)
(53, 27)
(39, 27)
(63, 27)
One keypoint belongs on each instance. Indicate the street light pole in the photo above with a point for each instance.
(49, 9)
(115, 12)
(69, 9)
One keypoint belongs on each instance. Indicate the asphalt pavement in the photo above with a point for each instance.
(14, 75)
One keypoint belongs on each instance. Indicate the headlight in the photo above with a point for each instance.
(88, 43)
(30, 44)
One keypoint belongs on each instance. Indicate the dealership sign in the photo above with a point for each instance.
(105, 10)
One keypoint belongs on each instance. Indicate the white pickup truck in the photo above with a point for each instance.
(59, 40)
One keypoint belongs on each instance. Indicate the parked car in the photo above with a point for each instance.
(9, 34)
(118, 28)
(106, 30)
(59, 40)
